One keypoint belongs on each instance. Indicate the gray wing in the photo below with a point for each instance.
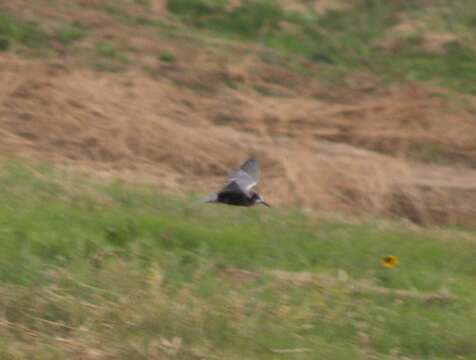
(245, 178)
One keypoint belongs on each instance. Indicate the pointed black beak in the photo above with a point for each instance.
(265, 204)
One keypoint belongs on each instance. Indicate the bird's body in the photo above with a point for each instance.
(237, 191)
(233, 198)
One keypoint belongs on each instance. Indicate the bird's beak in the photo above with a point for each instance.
(265, 203)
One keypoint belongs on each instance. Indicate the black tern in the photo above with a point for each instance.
(237, 191)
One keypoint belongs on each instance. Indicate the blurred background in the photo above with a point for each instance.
(115, 115)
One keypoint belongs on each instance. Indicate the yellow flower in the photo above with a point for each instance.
(390, 261)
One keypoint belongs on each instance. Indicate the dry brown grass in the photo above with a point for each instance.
(317, 152)
(319, 6)
(184, 124)
(432, 41)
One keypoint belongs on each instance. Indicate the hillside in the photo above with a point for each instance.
(130, 88)
(115, 115)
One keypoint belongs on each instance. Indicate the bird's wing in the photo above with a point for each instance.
(245, 178)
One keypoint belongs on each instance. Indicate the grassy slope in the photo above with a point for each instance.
(341, 42)
(94, 270)
(349, 40)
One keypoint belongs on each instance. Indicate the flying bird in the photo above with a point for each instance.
(237, 191)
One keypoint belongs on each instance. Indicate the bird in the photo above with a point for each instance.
(237, 190)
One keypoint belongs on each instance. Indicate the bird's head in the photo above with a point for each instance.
(257, 199)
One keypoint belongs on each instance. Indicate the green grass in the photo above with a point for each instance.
(345, 41)
(68, 34)
(167, 56)
(27, 33)
(109, 51)
(33, 34)
(110, 58)
(4, 43)
(342, 42)
(119, 271)
(145, 3)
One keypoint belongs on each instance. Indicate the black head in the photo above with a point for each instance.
(257, 199)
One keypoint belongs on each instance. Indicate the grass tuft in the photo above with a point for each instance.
(167, 56)
(27, 33)
(109, 51)
(67, 34)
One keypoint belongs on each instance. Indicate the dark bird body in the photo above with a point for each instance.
(237, 191)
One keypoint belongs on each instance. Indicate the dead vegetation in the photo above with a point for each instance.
(353, 155)
(183, 123)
